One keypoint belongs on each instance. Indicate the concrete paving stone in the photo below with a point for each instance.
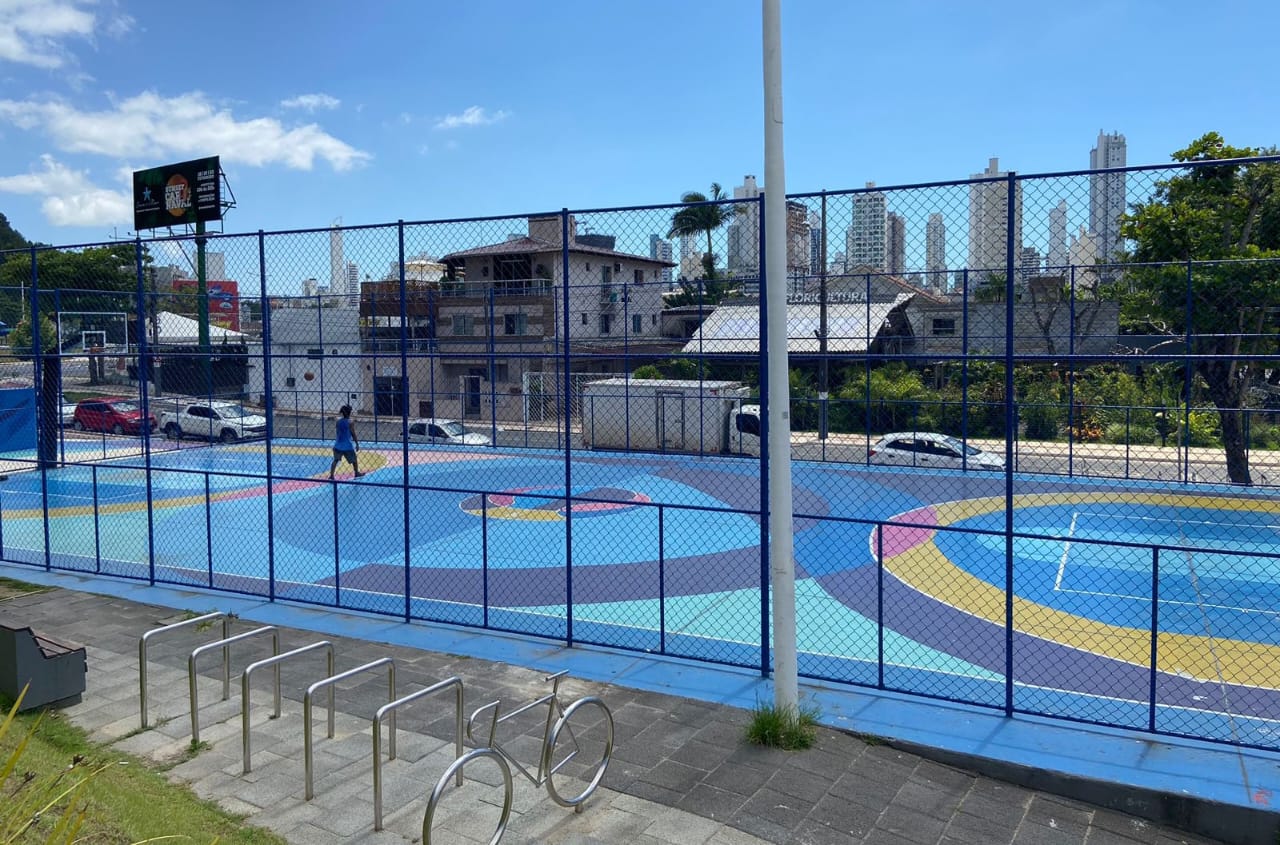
(203, 764)
(910, 824)
(799, 784)
(870, 788)
(733, 836)
(725, 733)
(939, 774)
(979, 830)
(828, 760)
(700, 755)
(315, 835)
(887, 837)
(811, 832)
(657, 794)
(743, 779)
(884, 758)
(677, 827)
(1129, 826)
(1034, 834)
(767, 829)
(675, 776)
(711, 802)
(351, 818)
(846, 816)
(640, 754)
(928, 798)
(1059, 820)
(785, 810)
(151, 746)
(234, 805)
(1009, 812)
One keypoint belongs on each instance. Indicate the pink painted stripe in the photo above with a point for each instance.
(901, 538)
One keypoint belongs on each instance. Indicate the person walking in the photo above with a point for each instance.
(345, 443)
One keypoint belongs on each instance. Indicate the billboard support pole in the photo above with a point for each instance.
(202, 302)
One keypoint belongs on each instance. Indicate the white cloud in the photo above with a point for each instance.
(311, 102)
(149, 127)
(70, 197)
(33, 32)
(473, 116)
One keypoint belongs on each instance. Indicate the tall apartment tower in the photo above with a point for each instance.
(815, 242)
(1107, 193)
(690, 258)
(660, 250)
(337, 267)
(743, 257)
(352, 281)
(866, 240)
(935, 251)
(896, 260)
(989, 223)
(1056, 260)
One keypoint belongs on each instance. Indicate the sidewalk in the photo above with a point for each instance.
(680, 772)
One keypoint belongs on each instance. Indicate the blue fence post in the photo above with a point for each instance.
(662, 582)
(404, 421)
(1185, 439)
(880, 606)
(37, 376)
(270, 401)
(1010, 421)
(484, 559)
(1071, 383)
(144, 371)
(568, 409)
(1155, 629)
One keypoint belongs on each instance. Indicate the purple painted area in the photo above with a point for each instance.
(1037, 662)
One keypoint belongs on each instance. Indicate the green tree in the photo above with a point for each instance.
(1210, 242)
(703, 214)
(20, 338)
(10, 238)
(102, 278)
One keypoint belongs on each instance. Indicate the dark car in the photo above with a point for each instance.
(116, 415)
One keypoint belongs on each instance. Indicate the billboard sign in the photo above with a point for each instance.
(224, 301)
(176, 194)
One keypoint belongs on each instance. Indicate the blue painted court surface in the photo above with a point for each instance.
(901, 576)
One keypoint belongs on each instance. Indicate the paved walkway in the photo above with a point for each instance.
(681, 772)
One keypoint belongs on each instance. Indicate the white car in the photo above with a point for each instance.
(451, 432)
(932, 450)
(225, 421)
(67, 411)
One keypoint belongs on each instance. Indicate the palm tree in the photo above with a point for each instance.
(702, 213)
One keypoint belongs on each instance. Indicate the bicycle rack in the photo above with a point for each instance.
(507, 791)
(389, 708)
(208, 618)
(224, 644)
(329, 682)
(275, 661)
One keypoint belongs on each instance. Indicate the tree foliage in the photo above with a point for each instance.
(1207, 248)
(100, 278)
(703, 214)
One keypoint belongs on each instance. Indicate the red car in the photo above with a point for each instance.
(114, 414)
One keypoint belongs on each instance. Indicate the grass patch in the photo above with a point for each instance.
(790, 728)
(10, 586)
(120, 799)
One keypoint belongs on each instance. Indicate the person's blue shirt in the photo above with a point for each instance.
(343, 443)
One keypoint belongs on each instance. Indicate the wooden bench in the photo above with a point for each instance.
(54, 669)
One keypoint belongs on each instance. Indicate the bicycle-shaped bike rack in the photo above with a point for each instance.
(559, 725)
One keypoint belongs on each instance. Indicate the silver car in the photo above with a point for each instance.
(932, 450)
(451, 432)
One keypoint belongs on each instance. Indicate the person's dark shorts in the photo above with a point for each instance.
(349, 454)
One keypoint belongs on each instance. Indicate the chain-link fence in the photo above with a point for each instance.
(1033, 419)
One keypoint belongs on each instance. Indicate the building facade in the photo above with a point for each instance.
(866, 240)
(989, 222)
(1107, 194)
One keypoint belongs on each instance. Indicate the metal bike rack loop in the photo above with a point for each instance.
(329, 682)
(207, 619)
(226, 684)
(457, 765)
(389, 708)
(275, 661)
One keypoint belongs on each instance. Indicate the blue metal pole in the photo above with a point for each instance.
(484, 557)
(404, 420)
(765, 503)
(208, 529)
(491, 368)
(1010, 422)
(1187, 366)
(662, 581)
(1071, 380)
(1155, 628)
(269, 394)
(880, 606)
(37, 376)
(568, 406)
(964, 355)
(97, 525)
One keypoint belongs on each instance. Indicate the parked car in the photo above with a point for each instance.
(67, 411)
(932, 450)
(225, 421)
(451, 432)
(114, 414)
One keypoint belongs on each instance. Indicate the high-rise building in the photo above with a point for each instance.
(989, 223)
(743, 257)
(690, 258)
(337, 267)
(352, 282)
(935, 251)
(866, 238)
(896, 260)
(1028, 263)
(815, 242)
(1057, 257)
(798, 246)
(660, 250)
(215, 265)
(1107, 193)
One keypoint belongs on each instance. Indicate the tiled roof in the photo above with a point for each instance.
(537, 245)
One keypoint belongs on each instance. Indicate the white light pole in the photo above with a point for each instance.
(781, 563)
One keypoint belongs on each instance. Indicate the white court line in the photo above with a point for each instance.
(1066, 550)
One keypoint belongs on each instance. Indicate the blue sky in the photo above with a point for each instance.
(381, 111)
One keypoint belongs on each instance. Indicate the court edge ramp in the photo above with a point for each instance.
(1216, 819)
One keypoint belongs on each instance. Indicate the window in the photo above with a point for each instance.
(653, 319)
(314, 354)
(944, 327)
(637, 323)
(606, 323)
(606, 274)
(514, 324)
(748, 424)
(463, 324)
(639, 277)
(585, 321)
